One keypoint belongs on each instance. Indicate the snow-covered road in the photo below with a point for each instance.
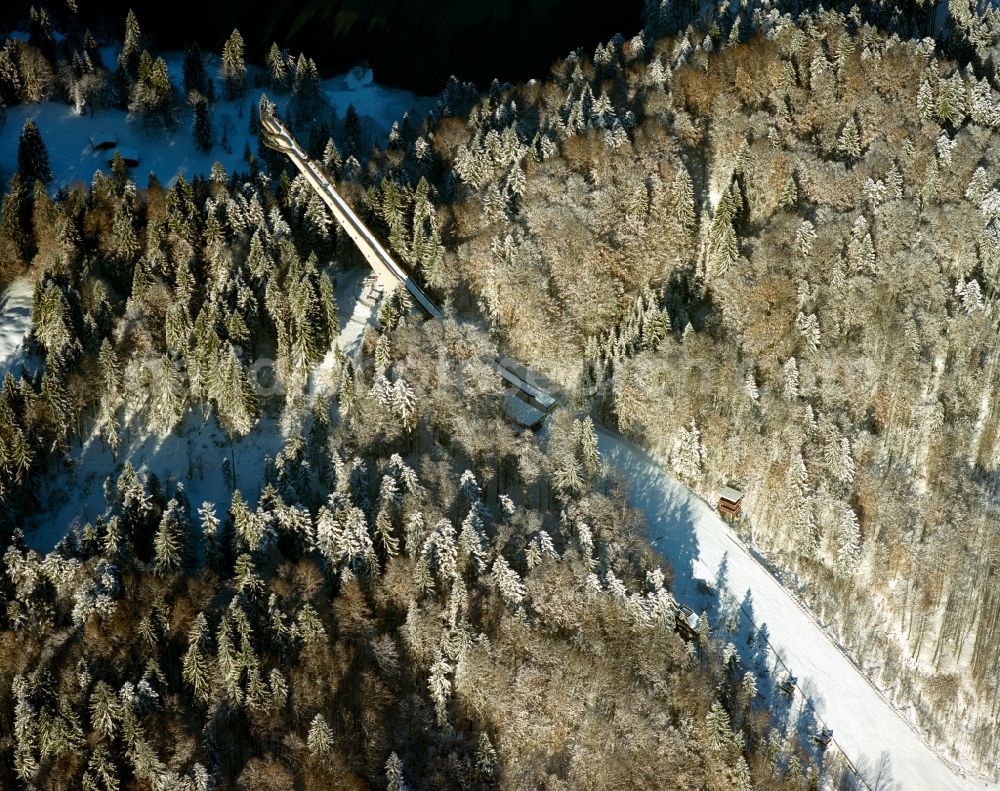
(699, 544)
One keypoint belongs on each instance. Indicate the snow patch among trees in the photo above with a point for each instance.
(15, 322)
(67, 131)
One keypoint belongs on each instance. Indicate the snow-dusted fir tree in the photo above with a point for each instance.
(849, 542)
(849, 142)
(32, 156)
(171, 544)
(723, 246)
(320, 738)
(278, 70)
(688, 454)
(439, 686)
(195, 664)
(104, 710)
(234, 395)
(508, 582)
(234, 69)
(790, 378)
(394, 774)
(128, 57)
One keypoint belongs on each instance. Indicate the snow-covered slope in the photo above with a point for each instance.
(194, 453)
(701, 546)
(67, 134)
(15, 321)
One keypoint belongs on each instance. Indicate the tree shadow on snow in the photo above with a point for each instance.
(877, 772)
(672, 513)
(195, 452)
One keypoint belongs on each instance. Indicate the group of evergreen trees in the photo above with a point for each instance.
(73, 71)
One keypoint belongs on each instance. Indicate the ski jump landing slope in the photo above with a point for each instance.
(697, 543)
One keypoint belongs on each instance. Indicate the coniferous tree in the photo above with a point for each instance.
(320, 738)
(195, 76)
(11, 84)
(172, 542)
(201, 128)
(849, 537)
(153, 98)
(277, 70)
(394, 774)
(32, 156)
(307, 100)
(13, 217)
(128, 60)
(849, 142)
(234, 395)
(104, 710)
(92, 50)
(234, 70)
(352, 133)
(195, 664)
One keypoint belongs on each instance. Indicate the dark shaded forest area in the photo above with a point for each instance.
(478, 42)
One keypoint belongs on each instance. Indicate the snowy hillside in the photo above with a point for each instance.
(67, 134)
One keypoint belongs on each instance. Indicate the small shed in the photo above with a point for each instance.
(730, 502)
(522, 413)
(129, 155)
(103, 140)
(531, 386)
(687, 622)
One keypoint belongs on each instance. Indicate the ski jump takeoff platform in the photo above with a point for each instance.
(529, 405)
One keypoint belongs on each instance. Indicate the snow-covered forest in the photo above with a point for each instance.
(772, 261)
(298, 550)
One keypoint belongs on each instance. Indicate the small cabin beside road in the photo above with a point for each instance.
(527, 401)
(532, 387)
(687, 622)
(730, 502)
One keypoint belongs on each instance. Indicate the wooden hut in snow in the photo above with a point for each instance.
(103, 140)
(730, 502)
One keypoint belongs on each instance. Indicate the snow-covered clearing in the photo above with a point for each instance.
(706, 554)
(360, 292)
(73, 159)
(193, 453)
(15, 321)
